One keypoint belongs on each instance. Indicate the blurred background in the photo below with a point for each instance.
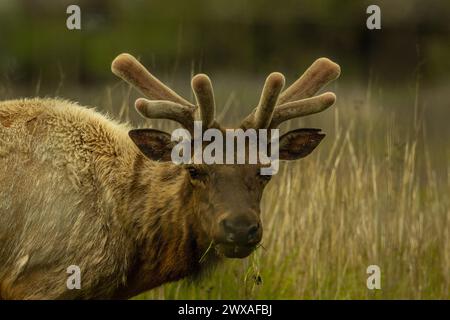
(376, 191)
(237, 42)
(237, 37)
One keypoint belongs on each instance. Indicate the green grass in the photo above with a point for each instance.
(376, 191)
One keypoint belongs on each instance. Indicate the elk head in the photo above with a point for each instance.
(227, 196)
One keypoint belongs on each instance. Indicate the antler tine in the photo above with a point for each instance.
(163, 109)
(204, 94)
(261, 117)
(132, 71)
(321, 72)
(298, 100)
(301, 108)
(269, 96)
(164, 103)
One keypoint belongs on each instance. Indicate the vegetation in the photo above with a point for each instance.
(374, 194)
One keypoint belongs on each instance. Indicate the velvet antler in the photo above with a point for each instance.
(163, 102)
(274, 106)
(298, 100)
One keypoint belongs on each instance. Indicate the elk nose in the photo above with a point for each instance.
(241, 233)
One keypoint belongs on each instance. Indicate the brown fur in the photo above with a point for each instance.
(75, 190)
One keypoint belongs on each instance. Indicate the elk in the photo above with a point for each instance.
(80, 189)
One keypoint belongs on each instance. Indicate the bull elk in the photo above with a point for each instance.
(80, 189)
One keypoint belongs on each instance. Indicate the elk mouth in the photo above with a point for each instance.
(235, 251)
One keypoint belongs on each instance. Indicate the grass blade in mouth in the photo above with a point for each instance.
(203, 257)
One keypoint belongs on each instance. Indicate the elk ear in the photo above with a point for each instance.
(299, 143)
(154, 144)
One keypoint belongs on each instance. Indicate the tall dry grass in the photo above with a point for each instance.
(375, 192)
(372, 195)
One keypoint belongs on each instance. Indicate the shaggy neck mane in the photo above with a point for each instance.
(167, 240)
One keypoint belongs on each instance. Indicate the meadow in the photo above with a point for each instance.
(375, 192)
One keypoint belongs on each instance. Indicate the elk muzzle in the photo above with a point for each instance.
(238, 235)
